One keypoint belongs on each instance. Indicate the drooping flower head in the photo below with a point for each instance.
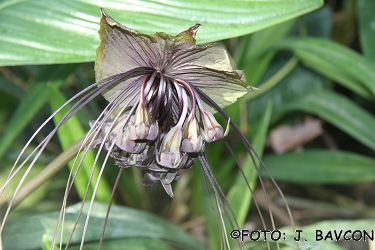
(157, 115)
(162, 91)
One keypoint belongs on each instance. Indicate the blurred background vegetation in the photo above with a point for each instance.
(312, 120)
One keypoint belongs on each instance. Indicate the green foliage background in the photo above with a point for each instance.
(320, 64)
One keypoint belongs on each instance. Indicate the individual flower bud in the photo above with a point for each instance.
(193, 142)
(142, 129)
(169, 153)
(124, 142)
(212, 130)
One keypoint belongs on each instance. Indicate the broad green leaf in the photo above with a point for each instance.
(69, 133)
(336, 62)
(123, 224)
(321, 166)
(32, 102)
(366, 17)
(56, 31)
(341, 112)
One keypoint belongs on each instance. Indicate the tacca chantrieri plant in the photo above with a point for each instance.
(162, 91)
(158, 120)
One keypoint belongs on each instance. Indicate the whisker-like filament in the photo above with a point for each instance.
(109, 205)
(161, 92)
(102, 118)
(251, 152)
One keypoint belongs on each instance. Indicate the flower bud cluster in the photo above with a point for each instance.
(162, 145)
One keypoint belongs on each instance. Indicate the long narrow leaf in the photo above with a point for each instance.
(321, 166)
(341, 112)
(336, 62)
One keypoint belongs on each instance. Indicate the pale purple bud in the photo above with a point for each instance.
(193, 142)
(212, 129)
(124, 142)
(141, 128)
(169, 153)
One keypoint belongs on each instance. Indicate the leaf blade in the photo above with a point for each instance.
(336, 62)
(366, 27)
(123, 223)
(323, 167)
(70, 28)
(341, 112)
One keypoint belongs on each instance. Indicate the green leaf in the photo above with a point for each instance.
(341, 112)
(324, 167)
(254, 45)
(366, 10)
(123, 224)
(69, 28)
(46, 243)
(253, 54)
(336, 62)
(69, 133)
(297, 84)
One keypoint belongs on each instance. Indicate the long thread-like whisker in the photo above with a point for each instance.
(219, 194)
(82, 102)
(120, 97)
(103, 85)
(251, 152)
(250, 189)
(41, 147)
(109, 206)
(216, 216)
(223, 226)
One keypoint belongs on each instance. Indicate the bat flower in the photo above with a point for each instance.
(162, 91)
(158, 120)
